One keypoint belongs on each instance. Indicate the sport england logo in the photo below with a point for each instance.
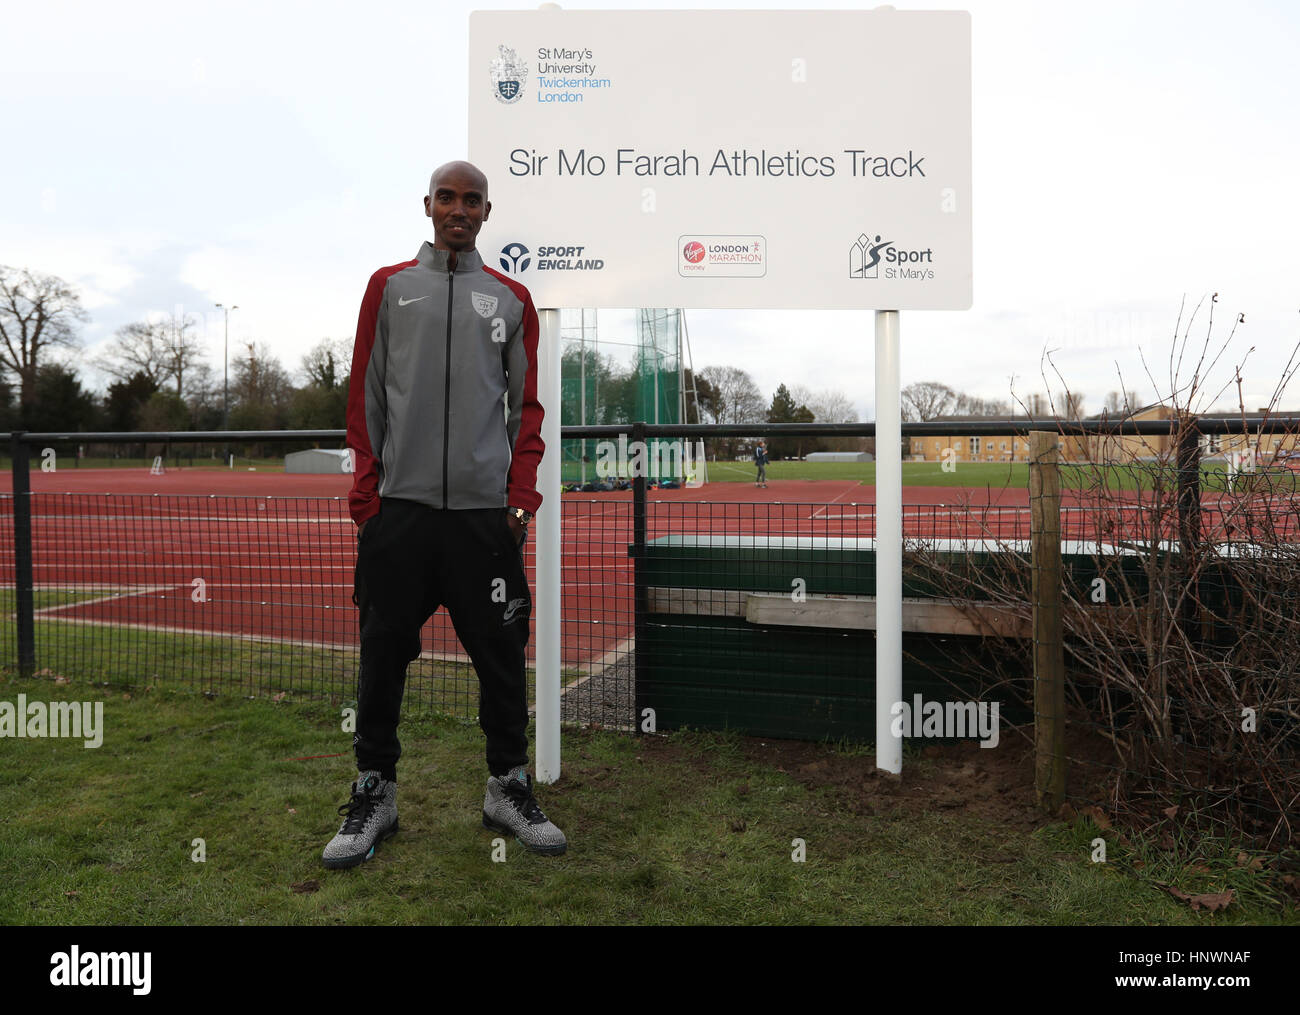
(508, 76)
(514, 258)
(485, 305)
(867, 255)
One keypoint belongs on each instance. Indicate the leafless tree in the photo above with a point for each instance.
(736, 399)
(37, 312)
(203, 396)
(260, 389)
(830, 406)
(827, 406)
(138, 347)
(327, 364)
(1120, 403)
(974, 405)
(183, 350)
(927, 400)
(164, 348)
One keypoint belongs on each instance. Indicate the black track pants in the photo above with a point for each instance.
(411, 559)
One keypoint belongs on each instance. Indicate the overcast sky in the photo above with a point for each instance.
(272, 155)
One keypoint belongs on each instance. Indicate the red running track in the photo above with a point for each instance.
(270, 555)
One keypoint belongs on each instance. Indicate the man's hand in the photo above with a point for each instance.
(362, 527)
(517, 528)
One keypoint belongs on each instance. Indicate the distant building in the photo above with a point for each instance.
(1113, 448)
(840, 456)
(319, 461)
(1109, 449)
(967, 447)
(1270, 448)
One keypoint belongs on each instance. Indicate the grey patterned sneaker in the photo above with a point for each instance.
(510, 807)
(371, 817)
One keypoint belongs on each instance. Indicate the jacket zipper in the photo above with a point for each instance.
(446, 397)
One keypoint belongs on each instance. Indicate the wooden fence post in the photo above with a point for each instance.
(1049, 648)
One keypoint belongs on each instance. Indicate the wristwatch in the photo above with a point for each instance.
(524, 517)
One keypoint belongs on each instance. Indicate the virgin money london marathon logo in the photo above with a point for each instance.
(509, 73)
(721, 256)
(874, 257)
(516, 259)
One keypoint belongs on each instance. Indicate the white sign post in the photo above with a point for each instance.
(732, 159)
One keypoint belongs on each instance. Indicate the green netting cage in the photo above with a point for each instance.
(621, 366)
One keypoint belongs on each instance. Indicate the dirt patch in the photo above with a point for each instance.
(997, 783)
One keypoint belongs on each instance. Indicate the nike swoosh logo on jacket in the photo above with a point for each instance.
(442, 401)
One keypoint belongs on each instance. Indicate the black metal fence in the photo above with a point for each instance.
(724, 611)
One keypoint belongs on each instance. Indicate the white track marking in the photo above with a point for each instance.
(822, 509)
(126, 594)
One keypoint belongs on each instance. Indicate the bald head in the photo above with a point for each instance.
(457, 202)
(471, 172)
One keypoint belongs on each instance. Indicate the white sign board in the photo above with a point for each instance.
(726, 159)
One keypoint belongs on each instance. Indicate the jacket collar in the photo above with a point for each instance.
(466, 260)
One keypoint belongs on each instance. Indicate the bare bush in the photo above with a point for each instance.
(1182, 635)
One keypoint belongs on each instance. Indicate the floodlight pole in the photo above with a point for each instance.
(889, 541)
(225, 357)
(547, 548)
(225, 383)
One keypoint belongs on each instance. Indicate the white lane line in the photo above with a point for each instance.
(823, 508)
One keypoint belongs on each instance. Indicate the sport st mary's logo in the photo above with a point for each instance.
(864, 256)
(509, 73)
(484, 304)
(868, 254)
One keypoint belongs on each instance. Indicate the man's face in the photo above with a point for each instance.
(458, 207)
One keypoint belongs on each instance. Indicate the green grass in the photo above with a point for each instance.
(997, 475)
(135, 658)
(130, 658)
(976, 474)
(678, 830)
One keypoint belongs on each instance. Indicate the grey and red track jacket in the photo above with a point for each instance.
(442, 402)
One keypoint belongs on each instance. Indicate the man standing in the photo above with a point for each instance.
(445, 428)
(760, 459)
